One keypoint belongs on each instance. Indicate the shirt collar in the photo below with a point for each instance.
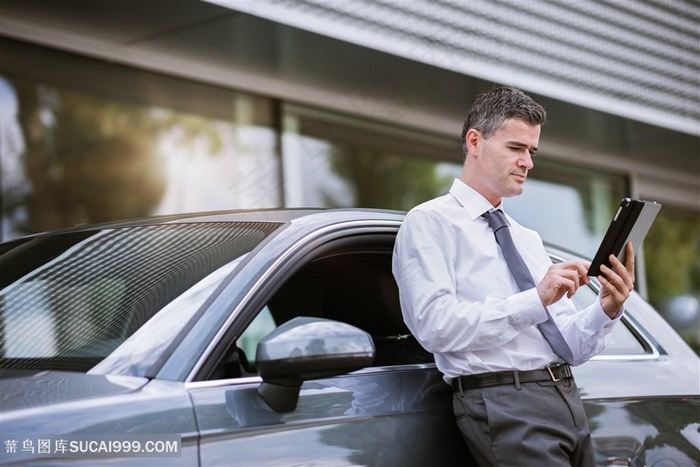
(472, 201)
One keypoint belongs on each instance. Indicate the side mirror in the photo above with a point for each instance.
(308, 348)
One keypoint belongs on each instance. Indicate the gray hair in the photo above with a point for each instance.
(492, 108)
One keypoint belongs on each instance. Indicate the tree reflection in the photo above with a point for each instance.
(670, 419)
(90, 159)
(382, 180)
(649, 431)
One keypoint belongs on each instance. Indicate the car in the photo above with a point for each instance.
(273, 337)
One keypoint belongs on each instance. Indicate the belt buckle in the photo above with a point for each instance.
(551, 374)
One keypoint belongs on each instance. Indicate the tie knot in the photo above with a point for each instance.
(496, 219)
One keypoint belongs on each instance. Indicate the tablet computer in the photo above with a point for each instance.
(630, 224)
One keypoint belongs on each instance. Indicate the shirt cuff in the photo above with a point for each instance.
(531, 310)
(599, 319)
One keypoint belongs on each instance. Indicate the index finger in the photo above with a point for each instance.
(629, 260)
(581, 267)
(626, 271)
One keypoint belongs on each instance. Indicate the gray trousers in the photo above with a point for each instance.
(537, 424)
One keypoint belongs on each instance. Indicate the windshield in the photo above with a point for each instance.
(69, 300)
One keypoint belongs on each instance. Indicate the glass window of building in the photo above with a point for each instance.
(336, 161)
(569, 205)
(83, 141)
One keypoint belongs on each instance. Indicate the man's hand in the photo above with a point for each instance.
(616, 283)
(562, 278)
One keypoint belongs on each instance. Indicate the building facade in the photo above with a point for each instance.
(113, 110)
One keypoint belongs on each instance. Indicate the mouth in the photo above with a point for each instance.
(519, 176)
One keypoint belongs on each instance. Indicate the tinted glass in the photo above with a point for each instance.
(70, 299)
(355, 287)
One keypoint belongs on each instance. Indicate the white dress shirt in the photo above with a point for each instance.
(461, 302)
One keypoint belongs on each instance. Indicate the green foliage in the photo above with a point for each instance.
(383, 180)
(89, 159)
(672, 260)
(672, 256)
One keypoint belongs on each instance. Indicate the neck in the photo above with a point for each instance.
(474, 184)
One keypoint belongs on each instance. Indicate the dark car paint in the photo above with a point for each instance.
(61, 403)
(389, 417)
(31, 389)
(642, 410)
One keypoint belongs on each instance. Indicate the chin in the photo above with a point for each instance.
(517, 191)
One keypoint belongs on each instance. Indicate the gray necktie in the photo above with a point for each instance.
(549, 329)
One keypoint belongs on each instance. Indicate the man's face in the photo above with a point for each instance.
(503, 160)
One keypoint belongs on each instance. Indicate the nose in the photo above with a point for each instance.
(526, 160)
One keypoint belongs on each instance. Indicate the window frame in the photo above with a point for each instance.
(313, 245)
(651, 352)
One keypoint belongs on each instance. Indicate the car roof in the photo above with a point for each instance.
(278, 215)
(237, 215)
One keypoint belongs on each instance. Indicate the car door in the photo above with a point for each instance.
(398, 411)
(641, 393)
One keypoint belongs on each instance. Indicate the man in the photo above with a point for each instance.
(465, 300)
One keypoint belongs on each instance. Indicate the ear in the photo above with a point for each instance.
(473, 140)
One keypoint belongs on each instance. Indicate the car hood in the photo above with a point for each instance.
(30, 389)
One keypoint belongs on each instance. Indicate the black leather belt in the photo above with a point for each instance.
(496, 378)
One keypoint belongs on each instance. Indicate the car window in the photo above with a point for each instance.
(623, 340)
(140, 351)
(69, 300)
(262, 325)
(354, 286)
